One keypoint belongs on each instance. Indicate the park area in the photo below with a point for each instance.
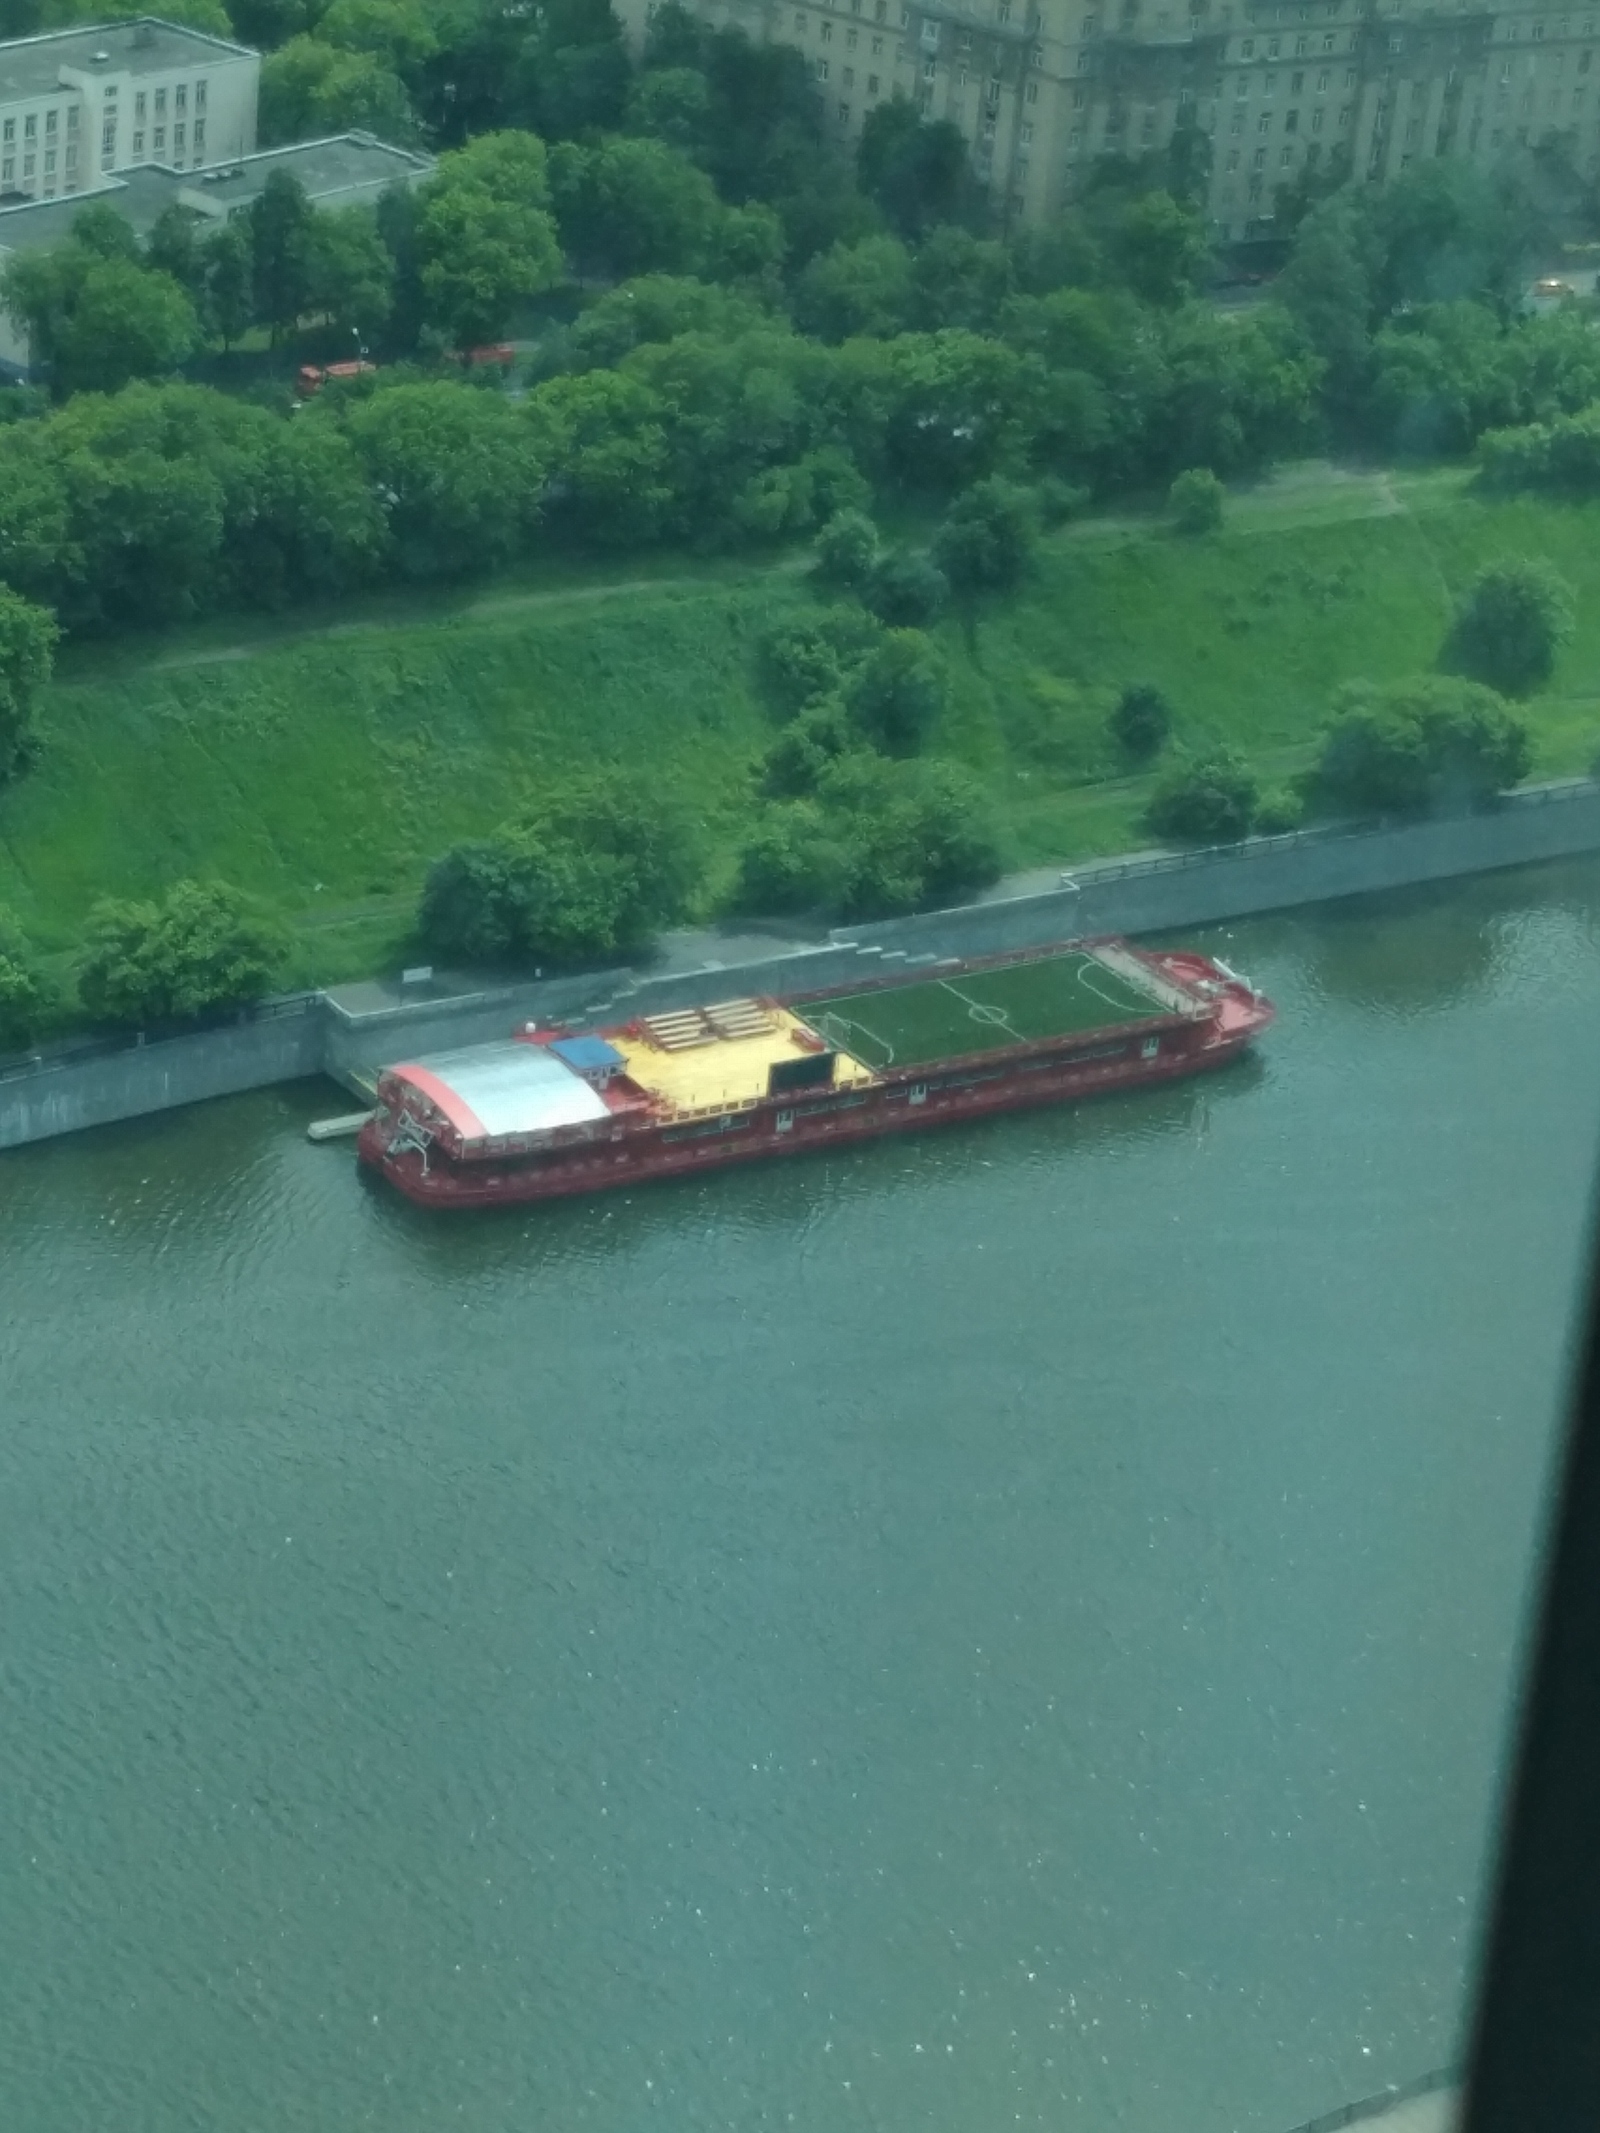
(970, 1011)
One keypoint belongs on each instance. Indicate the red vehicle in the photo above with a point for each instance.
(552, 1111)
(313, 376)
(492, 353)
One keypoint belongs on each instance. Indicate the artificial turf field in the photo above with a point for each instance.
(979, 1011)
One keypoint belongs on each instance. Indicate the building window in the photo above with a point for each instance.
(1286, 158)
(930, 68)
(51, 120)
(72, 155)
(850, 37)
(1077, 99)
(872, 85)
(1033, 92)
(799, 22)
(140, 107)
(1316, 122)
(1322, 81)
(161, 103)
(821, 66)
(199, 96)
(1248, 49)
(28, 166)
(180, 97)
(138, 145)
(1269, 85)
(30, 127)
(1344, 116)
(177, 139)
(1241, 87)
(844, 114)
(161, 139)
(111, 92)
(1272, 47)
(1296, 84)
(1301, 46)
(1260, 159)
(1236, 123)
(108, 142)
(827, 33)
(8, 171)
(49, 162)
(11, 129)
(1327, 43)
(1291, 122)
(1233, 159)
(199, 135)
(1025, 136)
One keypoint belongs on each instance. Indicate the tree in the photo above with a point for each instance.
(861, 288)
(846, 551)
(203, 948)
(657, 307)
(896, 696)
(806, 750)
(23, 993)
(459, 473)
(987, 540)
(229, 287)
(280, 232)
(397, 32)
(1141, 721)
(807, 661)
(958, 280)
(1515, 616)
(28, 636)
(1159, 249)
(632, 207)
(1195, 501)
(916, 169)
(907, 589)
(484, 236)
(1432, 742)
(349, 271)
(1207, 799)
(97, 318)
(310, 88)
(173, 247)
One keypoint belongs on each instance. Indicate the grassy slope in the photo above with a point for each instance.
(324, 770)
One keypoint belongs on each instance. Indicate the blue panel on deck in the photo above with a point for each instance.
(588, 1055)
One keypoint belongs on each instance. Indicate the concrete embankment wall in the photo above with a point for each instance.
(96, 1084)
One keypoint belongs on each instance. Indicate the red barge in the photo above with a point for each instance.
(552, 1110)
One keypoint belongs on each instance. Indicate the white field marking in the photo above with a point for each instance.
(1121, 1006)
(981, 1011)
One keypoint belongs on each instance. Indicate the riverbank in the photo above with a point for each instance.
(348, 1032)
(322, 765)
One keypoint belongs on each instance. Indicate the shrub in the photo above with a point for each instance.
(1209, 799)
(791, 861)
(593, 871)
(203, 948)
(987, 541)
(910, 833)
(898, 692)
(1516, 614)
(794, 764)
(1195, 501)
(1141, 721)
(806, 662)
(1278, 810)
(1057, 501)
(908, 590)
(846, 551)
(23, 994)
(1432, 742)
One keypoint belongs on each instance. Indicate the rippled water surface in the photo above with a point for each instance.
(1011, 1629)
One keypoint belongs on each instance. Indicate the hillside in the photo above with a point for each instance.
(324, 769)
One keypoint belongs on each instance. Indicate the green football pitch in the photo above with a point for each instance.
(979, 1011)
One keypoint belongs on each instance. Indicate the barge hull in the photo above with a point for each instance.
(880, 1112)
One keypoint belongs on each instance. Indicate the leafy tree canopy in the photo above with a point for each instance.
(1434, 742)
(203, 948)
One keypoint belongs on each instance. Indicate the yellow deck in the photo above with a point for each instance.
(727, 1073)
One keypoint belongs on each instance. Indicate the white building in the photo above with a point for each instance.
(77, 105)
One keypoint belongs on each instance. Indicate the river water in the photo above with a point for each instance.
(1011, 1629)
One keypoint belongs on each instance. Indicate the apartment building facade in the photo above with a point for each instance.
(78, 105)
(1040, 87)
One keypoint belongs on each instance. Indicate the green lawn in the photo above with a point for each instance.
(322, 763)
